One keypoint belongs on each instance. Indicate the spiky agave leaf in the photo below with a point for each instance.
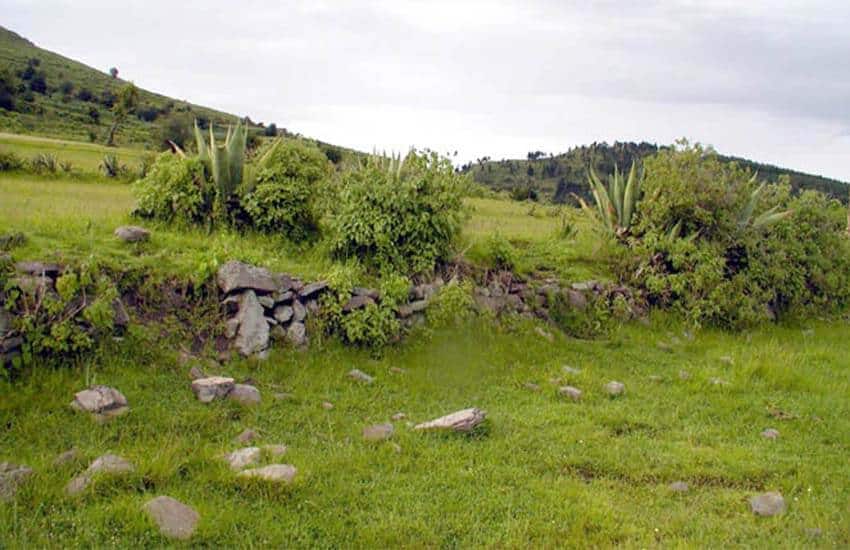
(771, 217)
(603, 202)
(616, 196)
(630, 196)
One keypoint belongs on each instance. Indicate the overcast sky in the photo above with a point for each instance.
(768, 80)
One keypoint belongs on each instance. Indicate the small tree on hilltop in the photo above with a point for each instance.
(125, 104)
(113, 72)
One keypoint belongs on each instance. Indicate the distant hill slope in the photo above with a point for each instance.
(46, 94)
(558, 176)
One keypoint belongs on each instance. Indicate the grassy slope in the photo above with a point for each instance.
(545, 472)
(83, 156)
(52, 116)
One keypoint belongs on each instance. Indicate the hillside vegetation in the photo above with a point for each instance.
(558, 176)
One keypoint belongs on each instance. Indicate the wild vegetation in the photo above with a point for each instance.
(712, 296)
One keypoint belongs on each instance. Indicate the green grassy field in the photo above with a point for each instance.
(543, 471)
(83, 156)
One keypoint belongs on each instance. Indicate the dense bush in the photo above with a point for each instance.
(703, 245)
(175, 189)
(287, 181)
(398, 215)
(10, 161)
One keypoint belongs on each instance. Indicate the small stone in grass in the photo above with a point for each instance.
(132, 233)
(214, 387)
(767, 504)
(68, 457)
(11, 477)
(398, 416)
(99, 400)
(461, 421)
(277, 473)
(718, 382)
(570, 370)
(360, 376)
(570, 392)
(327, 405)
(770, 433)
(106, 464)
(246, 436)
(244, 394)
(174, 519)
(531, 386)
(679, 487)
(378, 432)
(242, 458)
(397, 370)
(615, 388)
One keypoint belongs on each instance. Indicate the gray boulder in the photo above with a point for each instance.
(378, 432)
(360, 376)
(238, 276)
(214, 387)
(299, 312)
(174, 519)
(132, 233)
(313, 289)
(101, 401)
(11, 478)
(105, 465)
(570, 392)
(253, 334)
(296, 334)
(767, 504)
(244, 394)
(283, 314)
(461, 421)
(275, 473)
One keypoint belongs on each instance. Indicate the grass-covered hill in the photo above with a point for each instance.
(50, 95)
(45, 94)
(558, 176)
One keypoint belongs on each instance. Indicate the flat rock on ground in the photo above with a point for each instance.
(214, 387)
(767, 504)
(378, 432)
(106, 464)
(99, 399)
(11, 477)
(132, 233)
(570, 392)
(175, 519)
(615, 388)
(237, 276)
(679, 487)
(242, 458)
(461, 421)
(244, 394)
(360, 376)
(770, 433)
(277, 473)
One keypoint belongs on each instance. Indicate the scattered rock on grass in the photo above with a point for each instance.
(460, 421)
(175, 519)
(615, 388)
(360, 376)
(246, 436)
(327, 405)
(214, 387)
(70, 456)
(132, 233)
(570, 370)
(679, 487)
(277, 473)
(770, 433)
(531, 386)
(398, 416)
(244, 394)
(11, 477)
(767, 504)
(378, 432)
(242, 458)
(106, 464)
(102, 401)
(570, 392)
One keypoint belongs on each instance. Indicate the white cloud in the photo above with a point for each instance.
(763, 79)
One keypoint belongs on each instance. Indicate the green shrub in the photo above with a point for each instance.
(398, 215)
(713, 245)
(373, 326)
(288, 179)
(452, 305)
(56, 325)
(501, 254)
(175, 190)
(10, 161)
(112, 167)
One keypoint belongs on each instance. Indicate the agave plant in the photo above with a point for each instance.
(769, 217)
(111, 167)
(225, 162)
(617, 202)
